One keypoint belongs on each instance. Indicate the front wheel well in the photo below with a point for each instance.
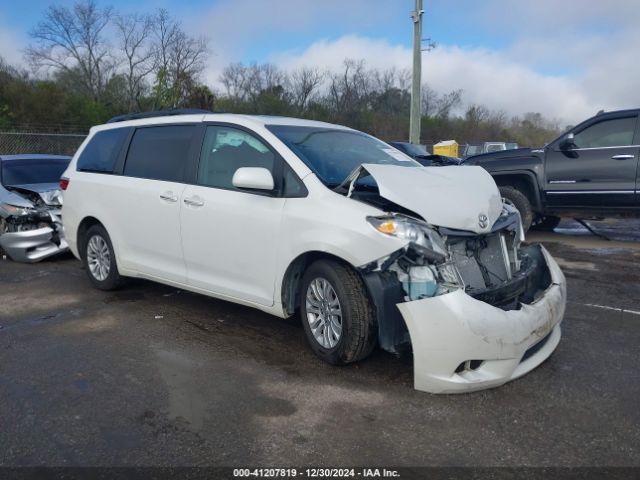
(84, 226)
(293, 277)
(522, 183)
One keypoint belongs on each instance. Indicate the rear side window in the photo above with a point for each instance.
(101, 153)
(160, 153)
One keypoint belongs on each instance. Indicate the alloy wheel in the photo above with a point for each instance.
(98, 258)
(324, 313)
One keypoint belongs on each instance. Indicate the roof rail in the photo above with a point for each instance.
(158, 113)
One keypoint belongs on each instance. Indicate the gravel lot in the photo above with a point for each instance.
(154, 376)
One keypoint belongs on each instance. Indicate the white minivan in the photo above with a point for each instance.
(296, 216)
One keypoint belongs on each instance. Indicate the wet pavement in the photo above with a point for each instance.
(154, 376)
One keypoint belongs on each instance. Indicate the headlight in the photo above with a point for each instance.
(13, 210)
(427, 240)
(397, 227)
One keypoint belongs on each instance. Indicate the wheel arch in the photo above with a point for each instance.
(83, 227)
(292, 278)
(523, 180)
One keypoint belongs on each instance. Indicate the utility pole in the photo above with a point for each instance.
(416, 107)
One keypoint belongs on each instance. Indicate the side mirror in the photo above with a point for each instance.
(567, 142)
(253, 178)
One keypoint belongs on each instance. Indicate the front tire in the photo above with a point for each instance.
(337, 315)
(99, 259)
(521, 202)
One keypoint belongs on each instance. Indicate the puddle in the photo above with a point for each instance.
(185, 400)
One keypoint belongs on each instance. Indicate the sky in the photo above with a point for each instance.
(564, 59)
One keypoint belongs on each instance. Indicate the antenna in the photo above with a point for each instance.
(430, 45)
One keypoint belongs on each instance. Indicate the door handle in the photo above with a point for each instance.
(169, 197)
(194, 202)
(622, 157)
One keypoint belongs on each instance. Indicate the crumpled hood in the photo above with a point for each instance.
(457, 197)
(49, 192)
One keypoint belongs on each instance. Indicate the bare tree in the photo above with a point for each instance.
(180, 59)
(188, 56)
(348, 90)
(139, 58)
(448, 102)
(303, 85)
(476, 114)
(261, 78)
(429, 96)
(73, 41)
(166, 30)
(439, 105)
(272, 76)
(234, 79)
(245, 83)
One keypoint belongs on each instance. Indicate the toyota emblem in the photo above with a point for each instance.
(483, 221)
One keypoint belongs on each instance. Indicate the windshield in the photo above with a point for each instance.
(472, 150)
(333, 154)
(25, 172)
(413, 149)
(495, 147)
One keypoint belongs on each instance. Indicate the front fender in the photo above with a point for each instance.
(525, 175)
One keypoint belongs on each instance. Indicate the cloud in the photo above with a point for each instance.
(497, 81)
(330, 54)
(236, 23)
(486, 77)
(11, 45)
(550, 17)
(235, 26)
(566, 59)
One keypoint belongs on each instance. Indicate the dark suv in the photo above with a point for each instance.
(589, 171)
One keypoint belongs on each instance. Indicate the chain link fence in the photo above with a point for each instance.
(67, 143)
(52, 143)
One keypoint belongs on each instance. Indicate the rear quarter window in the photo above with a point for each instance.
(101, 153)
(160, 153)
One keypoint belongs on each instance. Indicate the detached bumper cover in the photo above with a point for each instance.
(454, 328)
(32, 245)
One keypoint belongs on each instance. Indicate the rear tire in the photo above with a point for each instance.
(521, 202)
(99, 259)
(344, 296)
(546, 224)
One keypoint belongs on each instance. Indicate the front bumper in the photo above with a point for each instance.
(32, 245)
(491, 345)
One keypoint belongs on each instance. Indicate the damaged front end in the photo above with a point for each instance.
(476, 310)
(31, 225)
(475, 307)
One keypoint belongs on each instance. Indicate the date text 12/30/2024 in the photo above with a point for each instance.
(315, 473)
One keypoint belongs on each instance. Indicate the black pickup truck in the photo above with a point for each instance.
(589, 171)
